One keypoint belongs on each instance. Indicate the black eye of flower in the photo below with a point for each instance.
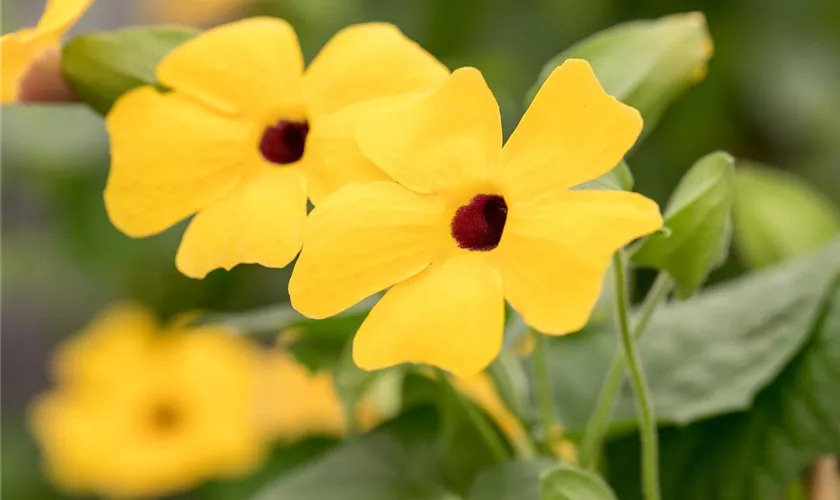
(284, 142)
(479, 224)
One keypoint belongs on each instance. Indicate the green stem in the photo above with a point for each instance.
(482, 425)
(542, 385)
(644, 409)
(598, 423)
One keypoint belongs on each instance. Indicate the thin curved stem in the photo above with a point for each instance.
(598, 423)
(482, 425)
(542, 384)
(644, 409)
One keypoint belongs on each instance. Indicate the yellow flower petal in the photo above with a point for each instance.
(115, 341)
(171, 156)
(251, 67)
(368, 61)
(189, 12)
(60, 15)
(450, 315)
(361, 240)
(260, 222)
(553, 253)
(573, 132)
(333, 155)
(18, 51)
(448, 139)
(299, 403)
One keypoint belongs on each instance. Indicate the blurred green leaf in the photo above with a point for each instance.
(618, 178)
(515, 480)
(569, 483)
(539, 480)
(755, 454)
(396, 462)
(101, 67)
(707, 356)
(699, 223)
(645, 64)
(777, 216)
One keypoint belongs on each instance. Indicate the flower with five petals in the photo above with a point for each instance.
(245, 135)
(469, 223)
(30, 56)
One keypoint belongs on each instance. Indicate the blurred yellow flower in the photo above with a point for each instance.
(298, 402)
(27, 48)
(246, 135)
(189, 12)
(468, 224)
(141, 410)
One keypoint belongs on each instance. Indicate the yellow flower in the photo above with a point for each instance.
(142, 411)
(246, 135)
(189, 12)
(297, 402)
(469, 223)
(24, 50)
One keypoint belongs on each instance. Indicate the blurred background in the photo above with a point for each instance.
(772, 95)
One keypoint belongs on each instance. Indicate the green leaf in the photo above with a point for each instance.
(707, 356)
(755, 454)
(569, 483)
(514, 480)
(645, 64)
(699, 223)
(618, 178)
(538, 480)
(778, 216)
(396, 462)
(101, 67)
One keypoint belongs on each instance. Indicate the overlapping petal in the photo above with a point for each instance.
(572, 132)
(363, 239)
(170, 157)
(368, 61)
(251, 67)
(554, 253)
(60, 15)
(448, 139)
(261, 221)
(333, 155)
(450, 315)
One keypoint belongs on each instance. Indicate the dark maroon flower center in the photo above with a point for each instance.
(479, 224)
(284, 142)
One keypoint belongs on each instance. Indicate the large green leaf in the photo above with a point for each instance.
(101, 67)
(645, 64)
(699, 222)
(396, 462)
(707, 356)
(753, 454)
(539, 480)
(778, 216)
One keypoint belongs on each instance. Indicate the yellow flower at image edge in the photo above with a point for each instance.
(469, 224)
(22, 50)
(246, 135)
(142, 411)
